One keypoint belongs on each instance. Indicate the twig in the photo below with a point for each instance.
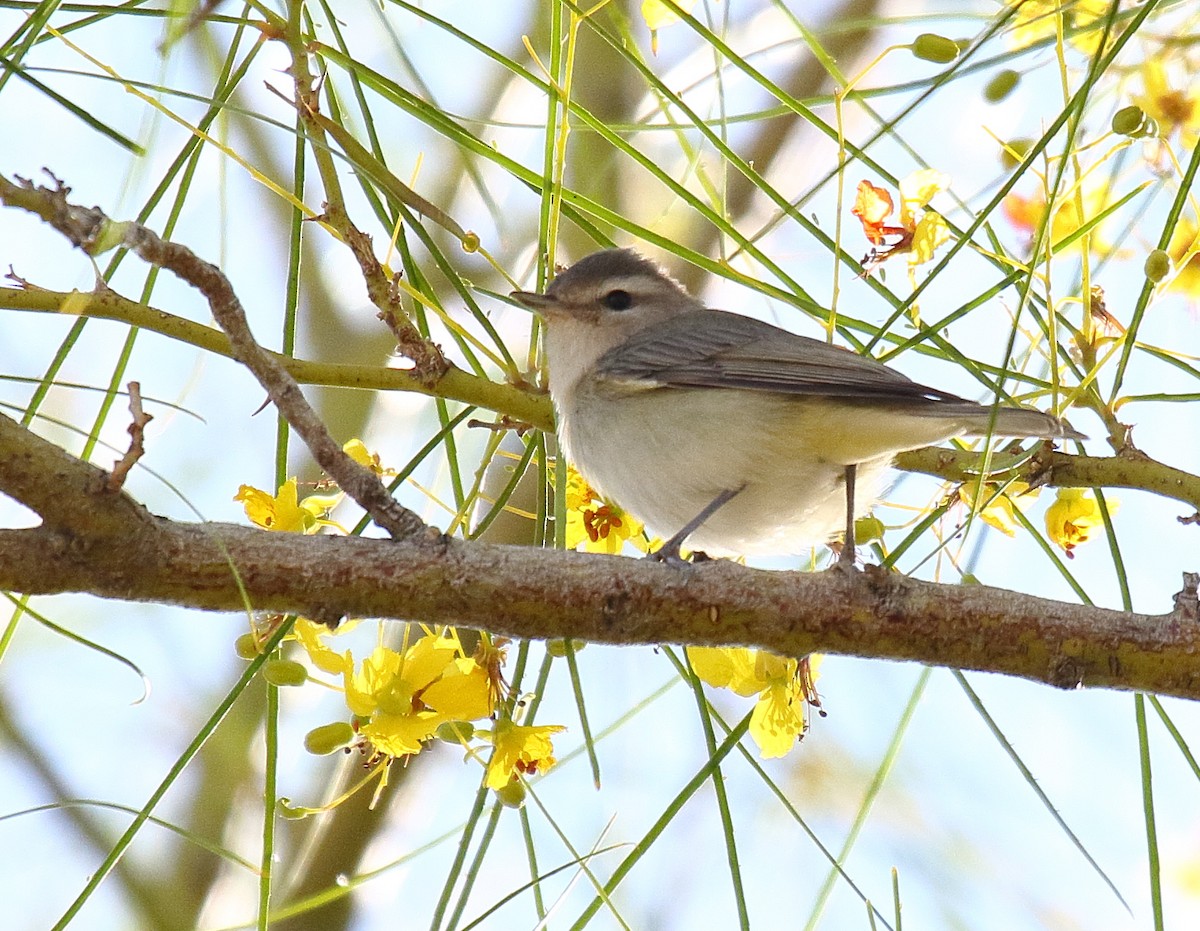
(89, 229)
(136, 428)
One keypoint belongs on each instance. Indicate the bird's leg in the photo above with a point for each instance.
(669, 551)
(846, 557)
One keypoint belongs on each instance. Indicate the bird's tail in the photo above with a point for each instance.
(1019, 421)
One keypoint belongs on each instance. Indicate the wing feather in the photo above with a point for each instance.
(724, 350)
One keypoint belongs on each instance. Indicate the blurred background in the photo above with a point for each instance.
(729, 146)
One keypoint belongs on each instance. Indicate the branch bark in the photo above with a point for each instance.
(106, 544)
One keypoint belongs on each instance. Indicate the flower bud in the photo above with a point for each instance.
(1014, 152)
(246, 646)
(558, 647)
(929, 46)
(1158, 265)
(329, 738)
(284, 672)
(1001, 85)
(512, 795)
(1131, 121)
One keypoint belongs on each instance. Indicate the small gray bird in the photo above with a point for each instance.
(733, 434)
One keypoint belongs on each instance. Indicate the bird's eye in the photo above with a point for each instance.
(617, 300)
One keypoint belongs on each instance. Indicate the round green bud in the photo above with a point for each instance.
(558, 647)
(283, 672)
(246, 646)
(1001, 85)
(1158, 265)
(512, 795)
(1014, 152)
(929, 46)
(455, 732)
(329, 738)
(867, 529)
(470, 242)
(1129, 121)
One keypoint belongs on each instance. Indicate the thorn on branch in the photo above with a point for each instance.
(1187, 600)
(20, 282)
(137, 449)
(520, 427)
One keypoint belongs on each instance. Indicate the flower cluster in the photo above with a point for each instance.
(785, 689)
(399, 700)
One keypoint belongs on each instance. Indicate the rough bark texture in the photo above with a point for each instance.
(97, 541)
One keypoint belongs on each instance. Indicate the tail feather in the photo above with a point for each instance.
(1020, 421)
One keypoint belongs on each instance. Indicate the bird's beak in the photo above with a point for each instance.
(539, 303)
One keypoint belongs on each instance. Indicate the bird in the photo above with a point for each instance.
(714, 428)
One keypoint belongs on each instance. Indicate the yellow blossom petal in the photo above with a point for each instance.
(657, 14)
(931, 232)
(463, 693)
(310, 635)
(392, 683)
(778, 718)
(281, 512)
(1184, 251)
(1074, 516)
(401, 734)
(917, 190)
(1000, 510)
(519, 748)
(1035, 20)
(733, 668)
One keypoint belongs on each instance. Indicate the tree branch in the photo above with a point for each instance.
(524, 592)
(89, 229)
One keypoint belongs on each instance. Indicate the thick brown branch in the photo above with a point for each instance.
(108, 545)
(524, 592)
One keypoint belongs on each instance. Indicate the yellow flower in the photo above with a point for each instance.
(1185, 255)
(407, 697)
(657, 15)
(1074, 516)
(310, 634)
(1035, 20)
(282, 512)
(595, 524)
(519, 749)
(784, 687)
(401, 734)
(1173, 110)
(357, 450)
(392, 683)
(1028, 214)
(921, 231)
(1000, 510)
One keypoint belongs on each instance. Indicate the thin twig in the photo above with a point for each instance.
(137, 449)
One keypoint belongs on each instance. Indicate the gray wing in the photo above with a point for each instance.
(716, 349)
